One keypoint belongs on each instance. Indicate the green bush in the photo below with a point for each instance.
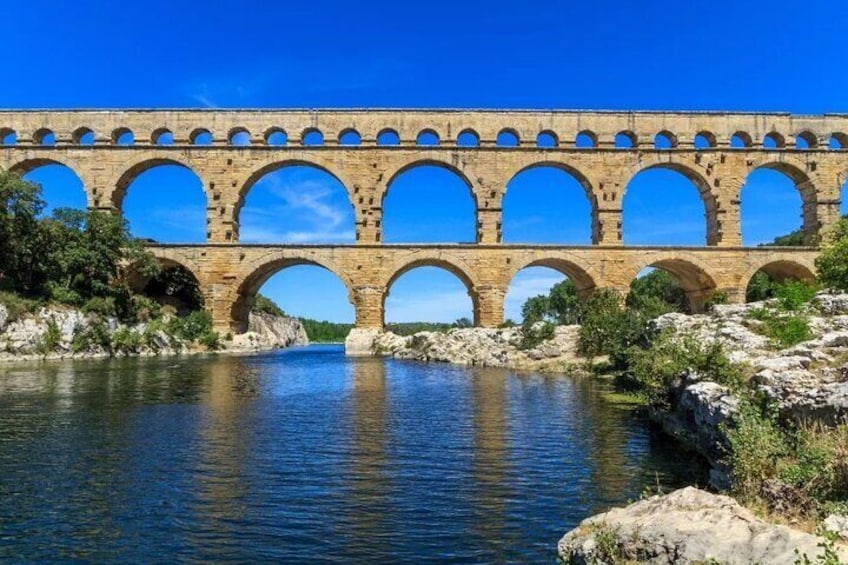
(783, 330)
(144, 308)
(609, 328)
(533, 334)
(715, 299)
(210, 340)
(17, 306)
(101, 305)
(265, 305)
(95, 335)
(50, 339)
(832, 262)
(792, 295)
(654, 369)
(126, 340)
(190, 327)
(63, 295)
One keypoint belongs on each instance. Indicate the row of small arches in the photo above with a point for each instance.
(429, 137)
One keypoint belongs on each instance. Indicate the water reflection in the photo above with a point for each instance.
(307, 456)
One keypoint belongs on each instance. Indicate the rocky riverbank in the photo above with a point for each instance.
(58, 332)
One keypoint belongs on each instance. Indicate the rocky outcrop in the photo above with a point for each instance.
(61, 332)
(473, 346)
(687, 526)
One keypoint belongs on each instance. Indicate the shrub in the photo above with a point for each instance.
(609, 328)
(714, 299)
(264, 305)
(95, 335)
(144, 308)
(783, 330)
(533, 334)
(791, 294)
(63, 295)
(832, 262)
(103, 306)
(190, 327)
(50, 339)
(17, 306)
(210, 340)
(126, 340)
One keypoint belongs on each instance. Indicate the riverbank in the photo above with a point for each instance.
(60, 332)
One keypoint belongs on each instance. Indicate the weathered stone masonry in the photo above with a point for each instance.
(230, 273)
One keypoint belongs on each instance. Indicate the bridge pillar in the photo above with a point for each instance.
(221, 225)
(489, 221)
(369, 226)
(827, 213)
(368, 302)
(607, 227)
(728, 224)
(488, 305)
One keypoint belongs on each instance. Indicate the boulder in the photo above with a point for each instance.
(360, 342)
(838, 524)
(687, 526)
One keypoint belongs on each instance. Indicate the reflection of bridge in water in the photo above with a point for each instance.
(367, 149)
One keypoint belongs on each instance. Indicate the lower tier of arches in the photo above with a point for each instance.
(230, 276)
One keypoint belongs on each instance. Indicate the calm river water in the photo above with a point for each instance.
(304, 455)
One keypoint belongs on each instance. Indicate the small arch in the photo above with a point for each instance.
(442, 298)
(44, 137)
(665, 140)
(312, 137)
(123, 136)
(350, 137)
(625, 140)
(276, 136)
(705, 140)
(838, 141)
(239, 137)
(806, 140)
(768, 181)
(741, 140)
(468, 138)
(83, 136)
(427, 138)
(774, 140)
(162, 136)
(176, 285)
(200, 136)
(388, 136)
(547, 140)
(8, 137)
(507, 138)
(759, 284)
(586, 140)
(696, 282)
(259, 274)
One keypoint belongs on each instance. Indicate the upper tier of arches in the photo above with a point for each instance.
(504, 129)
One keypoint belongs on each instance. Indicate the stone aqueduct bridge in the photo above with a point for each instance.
(703, 146)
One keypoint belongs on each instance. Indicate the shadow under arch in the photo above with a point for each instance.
(456, 268)
(144, 164)
(575, 174)
(30, 164)
(278, 165)
(696, 282)
(806, 188)
(249, 286)
(698, 179)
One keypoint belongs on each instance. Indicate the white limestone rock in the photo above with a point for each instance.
(360, 342)
(689, 526)
(838, 524)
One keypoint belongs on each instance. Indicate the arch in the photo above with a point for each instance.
(427, 138)
(276, 136)
(665, 140)
(550, 205)
(796, 172)
(547, 140)
(163, 199)
(838, 140)
(162, 136)
(691, 173)
(625, 140)
(350, 137)
(741, 140)
(312, 137)
(781, 270)
(806, 140)
(83, 136)
(123, 136)
(584, 277)
(257, 274)
(693, 277)
(454, 265)
(142, 163)
(169, 290)
(45, 137)
(26, 165)
(774, 140)
(507, 137)
(200, 136)
(468, 138)
(437, 204)
(704, 140)
(586, 139)
(388, 136)
(439, 302)
(61, 186)
(238, 136)
(8, 136)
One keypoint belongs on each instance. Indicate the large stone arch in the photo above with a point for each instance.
(693, 275)
(144, 162)
(695, 173)
(327, 166)
(436, 160)
(780, 269)
(588, 184)
(29, 162)
(796, 170)
(584, 277)
(453, 265)
(257, 272)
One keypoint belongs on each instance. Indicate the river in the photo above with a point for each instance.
(304, 455)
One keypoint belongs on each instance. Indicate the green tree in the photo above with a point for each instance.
(832, 262)
(657, 293)
(21, 241)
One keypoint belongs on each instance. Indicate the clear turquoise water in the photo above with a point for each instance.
(307, 456)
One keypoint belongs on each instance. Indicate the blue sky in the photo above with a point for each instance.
(779, 55)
